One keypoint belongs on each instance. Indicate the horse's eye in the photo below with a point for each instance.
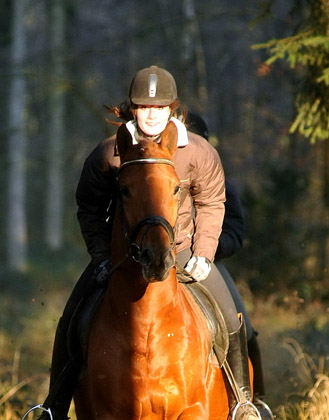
(124, 192)
(177, 189)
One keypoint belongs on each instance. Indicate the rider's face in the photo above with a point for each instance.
(152, 119)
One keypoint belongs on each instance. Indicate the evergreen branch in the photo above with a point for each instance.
(303, 49)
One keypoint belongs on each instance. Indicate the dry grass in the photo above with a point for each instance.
(297, 381)
(313, 402)
(16, 392)
(313, 406)
(25, 351)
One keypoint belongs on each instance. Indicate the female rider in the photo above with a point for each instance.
(152, 103)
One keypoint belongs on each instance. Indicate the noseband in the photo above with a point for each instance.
(134, 248)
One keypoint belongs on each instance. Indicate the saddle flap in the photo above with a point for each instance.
(79, 329)
(214, 318)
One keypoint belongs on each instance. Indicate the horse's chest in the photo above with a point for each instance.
(169, 355)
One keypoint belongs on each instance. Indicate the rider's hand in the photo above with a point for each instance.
(199, 268)
(101, 272)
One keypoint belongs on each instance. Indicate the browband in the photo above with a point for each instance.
(145, 160)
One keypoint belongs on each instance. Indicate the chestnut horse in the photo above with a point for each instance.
(149, 354)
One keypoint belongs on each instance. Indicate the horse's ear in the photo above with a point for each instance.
(124, 140)
(169, 138)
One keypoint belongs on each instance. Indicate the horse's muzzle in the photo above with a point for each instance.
(156, 266)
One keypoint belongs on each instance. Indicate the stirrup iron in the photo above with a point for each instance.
(39, 406)
(263, 406)
(236, 416)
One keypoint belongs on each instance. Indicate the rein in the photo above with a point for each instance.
(134, 248)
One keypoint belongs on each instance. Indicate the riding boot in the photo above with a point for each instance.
(63, 378)
(237, 372)
(258, 382)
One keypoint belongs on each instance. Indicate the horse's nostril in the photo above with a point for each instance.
(147, 257)
(155, 265)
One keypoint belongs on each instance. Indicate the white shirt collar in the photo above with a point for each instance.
(182, 132)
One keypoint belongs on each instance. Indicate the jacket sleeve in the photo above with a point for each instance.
(231, 238)
(208, 195)
(94, 195)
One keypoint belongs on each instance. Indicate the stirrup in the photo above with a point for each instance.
(236, 416)
(48, 410)
(263, 406)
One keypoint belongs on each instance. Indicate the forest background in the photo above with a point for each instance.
(266, 107)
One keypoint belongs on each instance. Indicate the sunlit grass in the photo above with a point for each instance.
(313, 406)
(312, 402)
(16, 392)
(25, 349)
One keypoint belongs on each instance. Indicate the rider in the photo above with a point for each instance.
(231, 241)
(152, 103)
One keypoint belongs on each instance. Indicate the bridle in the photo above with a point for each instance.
(133, 247)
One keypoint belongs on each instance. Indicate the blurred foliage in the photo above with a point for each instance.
(307, 53)
(273, 239)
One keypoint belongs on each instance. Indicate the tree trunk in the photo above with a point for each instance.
(325, 259)
(55, 192)
(194, 57)
(17, 231)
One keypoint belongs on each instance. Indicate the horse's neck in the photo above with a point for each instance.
(119, 245)
(129, 290)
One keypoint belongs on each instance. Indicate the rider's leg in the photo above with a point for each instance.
(241, 309)
(237, 353)
(60, 397)
(253, 347)
(217, 287)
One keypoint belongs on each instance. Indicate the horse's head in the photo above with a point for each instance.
(149, 198)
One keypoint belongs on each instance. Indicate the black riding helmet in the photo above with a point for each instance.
(153, 86)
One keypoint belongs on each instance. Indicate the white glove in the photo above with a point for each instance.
(199, 268)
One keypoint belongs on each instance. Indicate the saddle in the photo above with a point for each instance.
(211, 311)
(80, 325)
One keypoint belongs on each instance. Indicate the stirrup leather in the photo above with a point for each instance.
(238, 379)
(240, 398)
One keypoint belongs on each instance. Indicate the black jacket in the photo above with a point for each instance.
(231, 238)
